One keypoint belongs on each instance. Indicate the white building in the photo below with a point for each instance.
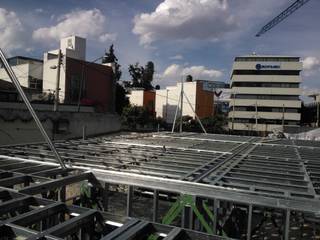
(265, 93)
(27, 70)
(201, 100)
(72, 47)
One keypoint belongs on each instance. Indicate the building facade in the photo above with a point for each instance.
(143, 98)
(28, 71)
(71, 47)
(200, 96)
(83, 82)
(265, 93)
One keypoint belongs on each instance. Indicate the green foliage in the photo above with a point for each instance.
(141, 77)
(121, 99)
(213, 124)
(134, 116)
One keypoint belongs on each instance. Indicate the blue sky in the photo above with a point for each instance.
(200, 37)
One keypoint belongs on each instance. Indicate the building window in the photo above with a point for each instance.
(265, 84)
(267, 72)
(35, 83)
(265, 97)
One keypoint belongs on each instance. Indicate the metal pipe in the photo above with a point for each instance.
(203, 129)
(15, 81)
(175, 115)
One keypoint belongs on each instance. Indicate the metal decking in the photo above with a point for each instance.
(250, 171)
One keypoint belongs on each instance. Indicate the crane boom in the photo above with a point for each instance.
(291, 9)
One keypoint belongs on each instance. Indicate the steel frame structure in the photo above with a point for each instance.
(23, 214)
(257, 174)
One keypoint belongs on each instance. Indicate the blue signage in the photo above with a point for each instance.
(267, 66)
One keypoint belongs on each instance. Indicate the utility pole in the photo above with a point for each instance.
(283, 117)
(234, 101)
(318, 124)
(167, 105)
(181, 104)
(256, 108)
(56, 99)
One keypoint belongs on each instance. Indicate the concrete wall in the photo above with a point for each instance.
(204, 102)
(136, 97)
(17, 126)
(74, 47)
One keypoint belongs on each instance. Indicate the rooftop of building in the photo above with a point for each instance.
(24, 58)
(268, 57)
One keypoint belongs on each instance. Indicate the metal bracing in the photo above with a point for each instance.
(56, 221)
(254, 173)
(16, 83)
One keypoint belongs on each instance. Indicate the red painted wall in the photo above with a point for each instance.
(149, 101)
(97, 84)
(204, 102)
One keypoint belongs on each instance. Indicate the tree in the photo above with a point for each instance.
(141, 77)
(121, 99)
(132, 116)
(136, 73)
(213, 124)
(147, 76)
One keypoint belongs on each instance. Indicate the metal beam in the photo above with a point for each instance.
(38, 214)
(53, 184)
(15, 81)
(207, 191)
(74, 224)
(15, 204)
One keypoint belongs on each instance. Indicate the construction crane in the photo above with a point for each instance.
(286, 13)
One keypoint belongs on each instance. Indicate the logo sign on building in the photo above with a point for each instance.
(270, 66)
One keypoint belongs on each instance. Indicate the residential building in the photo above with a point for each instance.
(71, 47)
(199, 100)
(81, 82)
(28, 71)
(265, 93)
(143, 98)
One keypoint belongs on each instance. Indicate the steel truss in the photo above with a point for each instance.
(251, 173)
(24, 215)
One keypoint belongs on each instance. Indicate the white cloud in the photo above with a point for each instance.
(39, 10)
(108, 37)
(185, 19)
(311, 66)
(176, 57)
(84, 23)
(174, 72)
(310, 63)
(12, 35)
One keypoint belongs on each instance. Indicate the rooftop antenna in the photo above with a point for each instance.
(16, 83)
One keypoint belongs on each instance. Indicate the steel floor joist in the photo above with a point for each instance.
(251, 171)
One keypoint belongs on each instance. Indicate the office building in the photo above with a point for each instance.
(265, 93)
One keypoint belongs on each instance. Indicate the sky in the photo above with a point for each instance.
(197, 37)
